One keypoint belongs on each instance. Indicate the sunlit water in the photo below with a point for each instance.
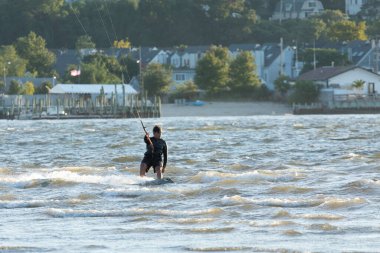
(254, 184)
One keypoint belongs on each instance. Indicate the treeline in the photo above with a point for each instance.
(167, 23)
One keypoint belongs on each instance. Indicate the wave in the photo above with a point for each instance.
(187, 220)
(66, 178)
(211, 230)
(240, 249)
(246, 177)
(290, 189)
(13, 204)
(62, 213)
(327, 202)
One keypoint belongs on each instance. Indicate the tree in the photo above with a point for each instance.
(358, 84)
(282, 84)
(122, 43)
(39, 59)
(28, 88)
(129, 67)
(304, 92)
(44, 88)
(242, 73)
(347, 31)
(370, 10)
(324, 57)
(187, 90)
(14, 88)
(83, 42)
(11, 62)
(97, 68)
(373, 29)
(211, 72)
(157, 79)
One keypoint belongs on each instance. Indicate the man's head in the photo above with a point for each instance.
(157, 131)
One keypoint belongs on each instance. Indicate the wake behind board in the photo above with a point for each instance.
(159, 181)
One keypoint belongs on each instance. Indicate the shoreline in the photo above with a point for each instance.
(225, 109)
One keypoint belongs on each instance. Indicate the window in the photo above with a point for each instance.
(312, 4)
(180, 77)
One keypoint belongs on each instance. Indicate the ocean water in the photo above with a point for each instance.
(242, 184)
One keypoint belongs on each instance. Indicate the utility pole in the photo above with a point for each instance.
(140, 70)
(281, 11)
(314, 58)
(281, 57)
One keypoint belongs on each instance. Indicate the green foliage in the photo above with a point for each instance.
(358, 84)
(39, 59)
(44, 88)
(188, 90)
(97, 68)
(324, 57)
(347, 31)
(371, 10)
(129, 67)
(305, 92)
(242, 73)
(282, 84)
(157, 79)
(373, 29)
(146, 22)
(28, 89)
(13, 64)
(14, 88)
(84, 41)
(212, 70)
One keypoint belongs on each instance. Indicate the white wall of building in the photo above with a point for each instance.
(354, 6)
(346, 79)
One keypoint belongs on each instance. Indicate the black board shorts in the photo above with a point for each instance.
(150, 162)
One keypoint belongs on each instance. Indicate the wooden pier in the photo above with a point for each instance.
(78, 107)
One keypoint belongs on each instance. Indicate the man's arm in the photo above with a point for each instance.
(165, 152)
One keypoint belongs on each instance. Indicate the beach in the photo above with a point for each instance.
(225, 109)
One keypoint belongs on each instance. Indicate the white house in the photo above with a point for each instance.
(354, 6)
(184, 62)
(161, 57)
(297, 9)
(341, 79)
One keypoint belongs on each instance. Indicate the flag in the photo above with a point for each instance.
(75, 72)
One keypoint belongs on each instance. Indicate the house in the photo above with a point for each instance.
(272, 60)
(297, 9)
(354, 6)
(340, 80)
(184, 61)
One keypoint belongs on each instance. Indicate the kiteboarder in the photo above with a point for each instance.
(156, 149)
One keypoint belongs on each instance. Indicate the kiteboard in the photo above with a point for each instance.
(161, 181)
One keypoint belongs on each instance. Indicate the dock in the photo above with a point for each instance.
(63, 106)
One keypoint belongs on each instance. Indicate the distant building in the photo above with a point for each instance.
(297, 9)
(270, 60)
(341, 78)
(354, 6)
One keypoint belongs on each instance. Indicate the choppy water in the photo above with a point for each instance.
(254, 184)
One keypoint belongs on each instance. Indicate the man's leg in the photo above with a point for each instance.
(143, 169)
(158, 170)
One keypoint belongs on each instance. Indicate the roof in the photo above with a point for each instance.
(325, 73)
(91, 89)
